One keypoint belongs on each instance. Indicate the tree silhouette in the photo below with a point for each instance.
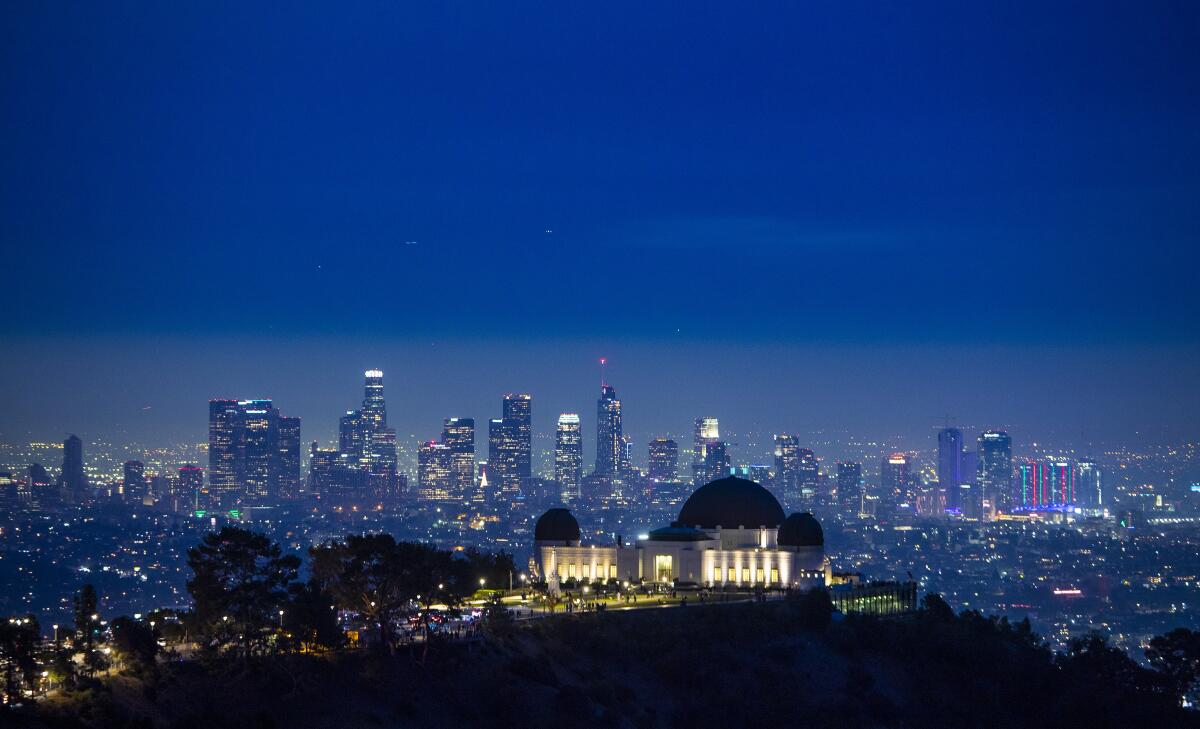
(19, 638)
(1177, 656)
(87, 628)
(134, 643)
(240, 580)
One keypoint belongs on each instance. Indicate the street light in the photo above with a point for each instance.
(56, 633)
(281, 620)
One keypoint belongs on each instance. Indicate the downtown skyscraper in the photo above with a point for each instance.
(706, 432)
(609, 442)
(253, 452)
(787, 466)
(364, 439)
(510, 446)
(994, 475)
(568, 457)
(458, 434)
(950, 467)
(664, 460)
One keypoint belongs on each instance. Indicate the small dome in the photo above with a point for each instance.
(729, 503)
(801, 530)
(556, 525)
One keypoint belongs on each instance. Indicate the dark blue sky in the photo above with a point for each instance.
(949, 180)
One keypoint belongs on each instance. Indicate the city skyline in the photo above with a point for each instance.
(755, 234)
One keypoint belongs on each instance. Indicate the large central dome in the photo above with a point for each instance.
(729, 503)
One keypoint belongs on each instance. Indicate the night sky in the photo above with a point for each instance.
(844, 216)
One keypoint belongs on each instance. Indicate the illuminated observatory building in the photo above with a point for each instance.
(730, 532)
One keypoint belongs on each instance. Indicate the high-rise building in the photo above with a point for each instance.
(950, 467)
(434, 472)
(664, 460)
(511, 445)
(787, 466)
(364, 439)
(187, 495)
(995, 471)
(133, 482)
(1089, 484)
(1062, 483)
(246, 455)
(353, 436)
(849, 485)
(289, 456)
(568, 457)
(458, 434)
(609, 442)
(260, 448)
(716, 461)
(707, 431)
(223, 447)
(895, 479)
(73, 481)
(374, 408)
(808, 474)
(1033, 484)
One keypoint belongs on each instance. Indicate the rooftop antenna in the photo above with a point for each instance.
(603, 362)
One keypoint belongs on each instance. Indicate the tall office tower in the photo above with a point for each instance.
(1033, 484)
(191, 483)
(995, 471)
(352, 437)
(787, 466)
(383, 459)
(374, 409)
(289, 457)
(849, 485)
(1062, 483)
(1089, 484)
(458, 434)
(568, 457)
(223, 447)
(808, 473)
(364, 439)
(511, 463)
(895, 479)
(949, 468)
(664, 460)
(133, 484)
(707, 431)
(434, 471)
(716, 461)
(608, 433)
(73, 481)
(260, 448)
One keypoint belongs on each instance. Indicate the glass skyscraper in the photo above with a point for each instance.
(568, 457)
(609, 443)
(950, 467)
(995, 471)
(664, 460)
(458, 434)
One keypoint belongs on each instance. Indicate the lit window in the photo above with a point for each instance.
(663, 568)
(774, 575)
(571, 570)
(732, 574)
(612, 572)
(562, 571)
(745, 574)
(716, 574)
(758, 577)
